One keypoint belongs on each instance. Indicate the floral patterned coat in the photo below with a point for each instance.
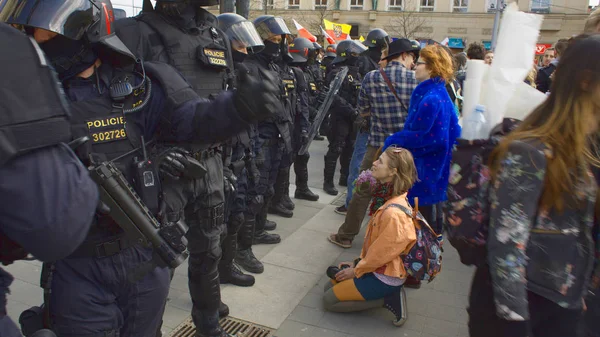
(535, 249)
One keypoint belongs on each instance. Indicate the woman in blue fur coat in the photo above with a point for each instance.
(430, 132)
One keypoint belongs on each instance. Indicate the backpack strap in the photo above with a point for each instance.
(414, 213)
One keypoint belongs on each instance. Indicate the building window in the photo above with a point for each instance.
(270, 4)
(356, 4)
(396, 5)
(427, 5)
(460, 6)
(540, 6)
(293, 4)
(320, 4)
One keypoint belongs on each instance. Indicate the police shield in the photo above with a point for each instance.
(334, 87)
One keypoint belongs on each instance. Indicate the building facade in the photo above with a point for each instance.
(461, 21)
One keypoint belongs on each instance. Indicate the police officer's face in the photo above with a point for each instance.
(42, 35)
(275, 38)
(239, 47)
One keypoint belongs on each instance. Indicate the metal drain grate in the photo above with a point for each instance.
(340, 200)
(233, 326)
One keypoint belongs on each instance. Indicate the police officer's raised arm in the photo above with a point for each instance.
(184, 116)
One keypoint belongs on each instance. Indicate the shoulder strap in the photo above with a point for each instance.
(391, 86)
(414, 213)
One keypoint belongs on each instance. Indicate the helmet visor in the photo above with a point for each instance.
(69, 18)
(271, 27)
(244, 35)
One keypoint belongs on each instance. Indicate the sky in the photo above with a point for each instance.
(593, 2)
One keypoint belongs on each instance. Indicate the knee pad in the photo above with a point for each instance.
(235, 222)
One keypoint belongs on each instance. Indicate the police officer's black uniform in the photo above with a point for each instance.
(39, 174)
(118, 103)
(343, 113)
(281, 204)
(241, 170)
(186, 36)
(308, 84)
(275, 134)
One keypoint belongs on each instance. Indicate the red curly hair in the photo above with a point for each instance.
(438, 62)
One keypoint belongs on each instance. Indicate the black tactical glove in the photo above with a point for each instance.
(256, 98)
(173, 162)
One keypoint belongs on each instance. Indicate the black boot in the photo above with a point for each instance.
(260, 235)
(229, 272)
(280, 210)
(270, 225)
(319, 137)
(266, 238)
(236, 277)
(286, 201)
(328, 172)
(301, 170)
(343, 181)
(223, 310)
(396, 303)
(247, 260)
(206, 300)
(277, 205)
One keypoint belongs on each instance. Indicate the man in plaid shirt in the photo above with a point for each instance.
(387, 112)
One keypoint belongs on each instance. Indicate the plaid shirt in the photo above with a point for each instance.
(387, 114)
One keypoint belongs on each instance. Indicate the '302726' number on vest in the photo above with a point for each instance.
(104, 130)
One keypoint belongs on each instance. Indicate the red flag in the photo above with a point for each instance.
(303, 32)
(330, 40)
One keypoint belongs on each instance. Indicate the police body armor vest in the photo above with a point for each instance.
(351, 85)
(111, 135)
(290, 92)
(202, 54)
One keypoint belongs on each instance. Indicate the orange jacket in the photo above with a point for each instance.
(390, 233)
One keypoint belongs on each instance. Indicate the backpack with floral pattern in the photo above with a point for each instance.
(424, 260)
(467, 210)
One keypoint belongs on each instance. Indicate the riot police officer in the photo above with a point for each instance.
(302, 50)
(240, 163)
(185, 35)
(377, 40)
(328, 58)
(47, 196)
(343, 113)
(118, 102)
(281, 204)
(274, 133)
(313, 70)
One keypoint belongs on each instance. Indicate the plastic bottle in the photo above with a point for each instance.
(473, 125)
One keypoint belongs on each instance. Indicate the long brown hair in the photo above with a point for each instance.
(563, 122)
(406, 173)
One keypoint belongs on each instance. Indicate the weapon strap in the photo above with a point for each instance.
(391, 86)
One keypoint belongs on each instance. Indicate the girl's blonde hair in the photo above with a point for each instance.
(406, 173)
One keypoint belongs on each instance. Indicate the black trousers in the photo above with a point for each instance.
(547, 319)
(434, 216)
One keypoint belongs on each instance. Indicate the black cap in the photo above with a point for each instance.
(402, 46)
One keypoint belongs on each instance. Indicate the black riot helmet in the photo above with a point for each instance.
(348, 50)
(330, 51)
(269, 25)
(377, 38)
(241, 32)
(300, 49)
(81, 25)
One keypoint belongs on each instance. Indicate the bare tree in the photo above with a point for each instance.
(410, 24)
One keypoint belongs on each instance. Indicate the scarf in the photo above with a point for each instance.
(381, 194)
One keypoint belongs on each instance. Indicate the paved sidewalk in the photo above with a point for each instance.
(287, 296)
